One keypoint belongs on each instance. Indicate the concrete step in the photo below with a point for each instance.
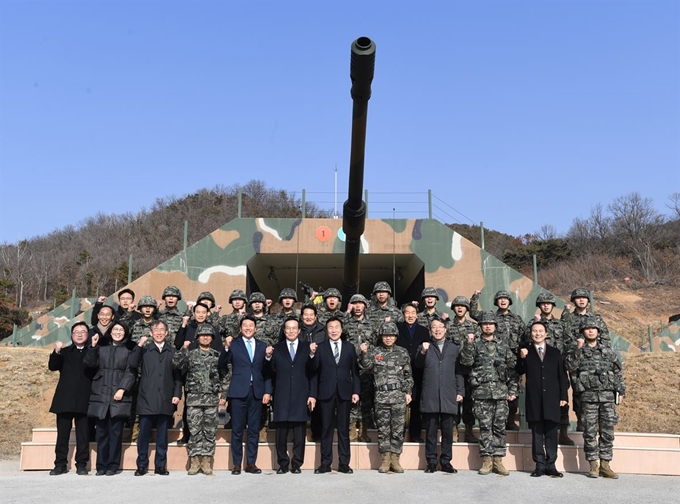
(634, 453)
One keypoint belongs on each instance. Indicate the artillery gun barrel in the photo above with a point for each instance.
(362, 65)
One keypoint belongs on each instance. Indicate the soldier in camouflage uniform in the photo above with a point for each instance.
(572, 331)
(545, 302)
(359, 330)
(384, 306)
(287, 300)
(331, 307)
(229, 324)
(171, 314)
(429, 299)
(142, 327)
(494, 382)
(510, 327)
(596, 372)
(391, 368)
(205, 391)
(456, 331)
(213, 311)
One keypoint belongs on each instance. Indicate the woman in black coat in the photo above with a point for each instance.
(110, 399)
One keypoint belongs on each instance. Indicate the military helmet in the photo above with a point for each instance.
(580, 292)
(388, 328)
(288, 293)
(502, 294)
(205, 295)
(545, 297)
(488, 317)
(589, 322)
(257, 297)
(147, 301)
(429, 292)
(332, 292)
(358, 298)
(460, 301)
(205, 329)
(382, 287)
(171, 290)
(237, 294)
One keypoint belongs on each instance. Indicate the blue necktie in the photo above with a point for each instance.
(292, 351)
(336, 353)
(250, 349)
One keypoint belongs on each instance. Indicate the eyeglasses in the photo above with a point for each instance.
(80, 332)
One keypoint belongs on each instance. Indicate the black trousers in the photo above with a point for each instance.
(64, 423)
(544, 443)
(145, 425)
(282, 429)
(328, 415)
(109, 442)
(432, 422)
(415, 425)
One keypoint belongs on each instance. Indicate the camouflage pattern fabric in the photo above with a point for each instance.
(357, 332)
(266, 330)
(555, 333)
(457, 331)
(391, 369)
(602, 417)
(377, 314)
(491, 415)
(509, 326)
(425, 317)
(202, 422)
(173, 318)
(572, 327)
(229, 325)
(323, 314)
(141, 329)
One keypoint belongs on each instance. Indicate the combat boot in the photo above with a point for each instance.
(363, 433)
(564, 438)
(455, 433)
(352, 432)
(487, 466)
(194, 466)
(394, 463)
(469, 435)
(499, 468)
(594, 469)
(206, 465)
(135, 432)
(385, 464)
(606, 471)
(263, 436)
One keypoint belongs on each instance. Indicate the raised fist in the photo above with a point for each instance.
(227, 341)
(132, 307)
(143, 340)
(101, 299)
(95, 340)
(425, 346)
(186, 345)
(269, 303)
(218, 308)
(190, 305)
(269, 351)
(364, 347)
(58, 346)
(470, 338)
(478, 292)
(580, 342)
(445, 316)
(523, 353)
(312, 348)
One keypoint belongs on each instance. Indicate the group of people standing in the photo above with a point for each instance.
(371, 366)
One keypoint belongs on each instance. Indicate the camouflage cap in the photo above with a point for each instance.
(545, 297)
(589, 322)
(580, 292)
(237, 294)
(382, 287)
(205, 329)
(206, 295)
(488, 317)
(358, 298)
(171, 290)
(388, 328)
(147, 301)
(288, 293)
(332, 292)
(460, 301)
(257, 297)
(429, 292)
(500, 295)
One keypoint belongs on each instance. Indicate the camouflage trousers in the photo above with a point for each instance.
(363, 410)
(202, 422)
(598, 416)
(492, 416)
(391, 422)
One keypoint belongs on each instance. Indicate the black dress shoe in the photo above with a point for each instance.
(100, 472)
(282, 470)
(553, 472)
(295, 470)
(345, 469)
(236, 470)
(162, 471)
(81, 471)
(448, 468)
(431, 468)
(141, 471)
(538, 472)
(110, 473)
(58, 470)
(322, 469)
(253, 469)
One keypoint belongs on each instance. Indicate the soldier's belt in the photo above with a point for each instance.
(389, 386)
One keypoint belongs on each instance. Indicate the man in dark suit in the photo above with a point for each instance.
(71, 399)
(411, 336)
(249, 388)
(336, 387)
(288, 361)
(546, 393)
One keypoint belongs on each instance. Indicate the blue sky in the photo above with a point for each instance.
(515, 113)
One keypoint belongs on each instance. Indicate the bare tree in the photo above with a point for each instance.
(547, 232)
(675, 204)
